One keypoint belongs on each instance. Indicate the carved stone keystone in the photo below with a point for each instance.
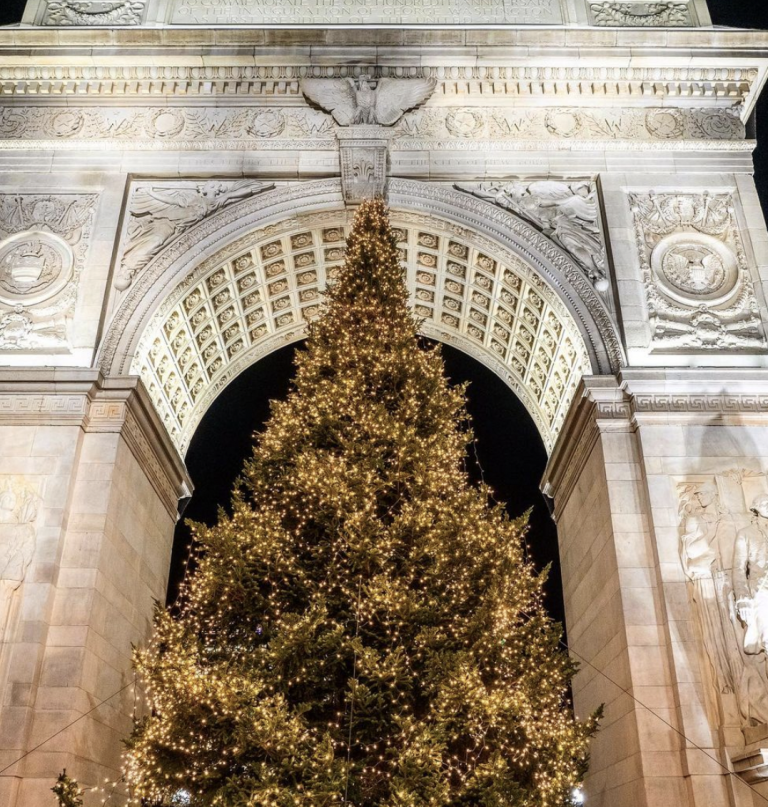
(363, 156)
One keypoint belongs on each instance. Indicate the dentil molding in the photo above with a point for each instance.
(164, 76)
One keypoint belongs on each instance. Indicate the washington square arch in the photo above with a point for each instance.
(571, 186)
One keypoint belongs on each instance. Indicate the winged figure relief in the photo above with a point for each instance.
(160, 213)
(374, 101)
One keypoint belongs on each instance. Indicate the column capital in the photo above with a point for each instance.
(85, 398)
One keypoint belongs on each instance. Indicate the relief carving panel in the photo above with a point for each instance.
(350, 101)
(366, 100)
(699, 291)
(94, 12)
(571, 123)
(43, 244)
(159, 212)
(566, 212)
(723, 527)
(642, 14)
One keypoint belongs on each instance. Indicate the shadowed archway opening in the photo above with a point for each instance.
(510, 453)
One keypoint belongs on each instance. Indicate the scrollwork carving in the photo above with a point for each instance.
(43, 242)
(700, 294)
(94, 12)
(646, 15)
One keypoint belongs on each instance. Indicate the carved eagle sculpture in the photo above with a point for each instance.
(366, 100)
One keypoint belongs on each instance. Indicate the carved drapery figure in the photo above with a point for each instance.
(158, 213)
(699, 556)
(18, 511)
(568, 213)
(699, 522)
(750, 578)
(706, 549)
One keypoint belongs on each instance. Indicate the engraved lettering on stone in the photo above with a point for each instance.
(568, 213)
(671, 14)
(94, 12)
(699, 291)
(159, 213)
(377, 12)
(367, 101)
(715, 551)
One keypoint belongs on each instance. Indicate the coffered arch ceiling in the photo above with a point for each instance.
(257, 291)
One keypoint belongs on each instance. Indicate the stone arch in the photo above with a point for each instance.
(245, 281)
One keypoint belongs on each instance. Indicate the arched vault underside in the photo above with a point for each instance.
(246, 281)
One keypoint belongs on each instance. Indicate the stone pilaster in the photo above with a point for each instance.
(658, 637)
(89, 485)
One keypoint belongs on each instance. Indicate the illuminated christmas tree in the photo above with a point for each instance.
(364, 628)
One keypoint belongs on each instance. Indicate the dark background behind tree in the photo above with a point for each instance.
(508, 446)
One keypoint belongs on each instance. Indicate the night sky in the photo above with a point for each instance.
(508, 447)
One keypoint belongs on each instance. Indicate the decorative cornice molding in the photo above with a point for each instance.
(240, 84)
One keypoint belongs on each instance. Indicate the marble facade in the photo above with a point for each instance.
(571, 186)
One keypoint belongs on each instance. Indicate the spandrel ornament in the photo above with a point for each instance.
(566, 212)
(158, 213)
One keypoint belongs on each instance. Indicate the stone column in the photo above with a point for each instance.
(647, 465)
(89, 486)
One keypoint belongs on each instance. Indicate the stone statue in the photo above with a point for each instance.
(158, 213)
(729, 674)
(750, 578)
(18, 511)
(699, 525)
(365, 100)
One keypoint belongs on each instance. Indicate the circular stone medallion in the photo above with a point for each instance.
(33, 267)
(695, 268)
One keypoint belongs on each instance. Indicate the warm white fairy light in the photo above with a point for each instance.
(363, 628)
